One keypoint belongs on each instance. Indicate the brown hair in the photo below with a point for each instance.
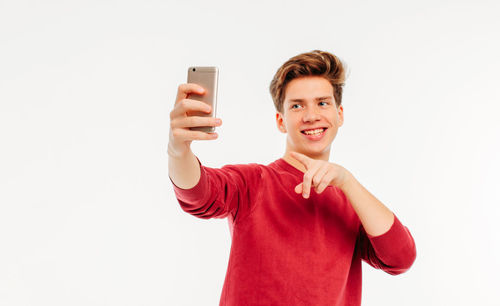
(314, 63)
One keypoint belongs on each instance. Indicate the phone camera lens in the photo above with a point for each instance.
(194, 69)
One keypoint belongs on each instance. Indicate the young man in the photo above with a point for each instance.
(301, 225)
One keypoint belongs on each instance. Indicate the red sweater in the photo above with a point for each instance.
(287, 250)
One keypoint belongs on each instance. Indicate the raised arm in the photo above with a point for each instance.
(183, 167)
(202, 191)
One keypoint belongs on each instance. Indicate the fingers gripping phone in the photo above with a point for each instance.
(206, 77)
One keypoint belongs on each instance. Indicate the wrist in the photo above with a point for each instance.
(176, 152)
(348, 181)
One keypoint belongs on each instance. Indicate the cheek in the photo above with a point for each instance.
(290, 121)
(335, 118)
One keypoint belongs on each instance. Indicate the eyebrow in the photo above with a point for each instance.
(317, 99)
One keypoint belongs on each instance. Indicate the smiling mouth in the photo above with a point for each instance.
(314, 132)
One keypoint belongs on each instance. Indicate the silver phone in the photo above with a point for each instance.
(206, 77)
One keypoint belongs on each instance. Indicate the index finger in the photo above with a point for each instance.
(306, 161)
(185, 89)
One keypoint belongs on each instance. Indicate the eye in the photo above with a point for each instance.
(325, 103)
(293, 106)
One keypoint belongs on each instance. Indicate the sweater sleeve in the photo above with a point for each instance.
(230, 190)
(393, 252)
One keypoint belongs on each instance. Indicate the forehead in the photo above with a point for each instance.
(308, 88)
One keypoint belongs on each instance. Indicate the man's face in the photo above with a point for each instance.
(310, 116)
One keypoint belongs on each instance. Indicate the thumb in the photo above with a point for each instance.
(298, 188)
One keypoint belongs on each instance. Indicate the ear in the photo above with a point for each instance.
(279, 122)
(340, 111)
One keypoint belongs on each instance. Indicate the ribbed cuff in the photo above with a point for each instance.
(396, 235)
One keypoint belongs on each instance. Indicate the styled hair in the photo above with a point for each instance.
(314, 63)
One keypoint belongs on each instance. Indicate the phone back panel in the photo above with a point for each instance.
(206, 77)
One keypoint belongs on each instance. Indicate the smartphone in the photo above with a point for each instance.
(206, 77)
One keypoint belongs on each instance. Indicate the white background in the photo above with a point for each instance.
(87, 211)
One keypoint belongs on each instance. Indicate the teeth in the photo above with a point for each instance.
(314, 132)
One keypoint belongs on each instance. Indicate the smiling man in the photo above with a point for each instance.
(300, 226)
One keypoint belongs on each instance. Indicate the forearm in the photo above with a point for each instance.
(376, 218)
(184, 170)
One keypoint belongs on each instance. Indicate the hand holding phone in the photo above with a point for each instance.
(187, 116)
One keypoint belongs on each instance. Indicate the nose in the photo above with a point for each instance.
(311, 114)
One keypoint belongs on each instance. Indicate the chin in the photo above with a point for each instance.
(318, 149)
(311, 149)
